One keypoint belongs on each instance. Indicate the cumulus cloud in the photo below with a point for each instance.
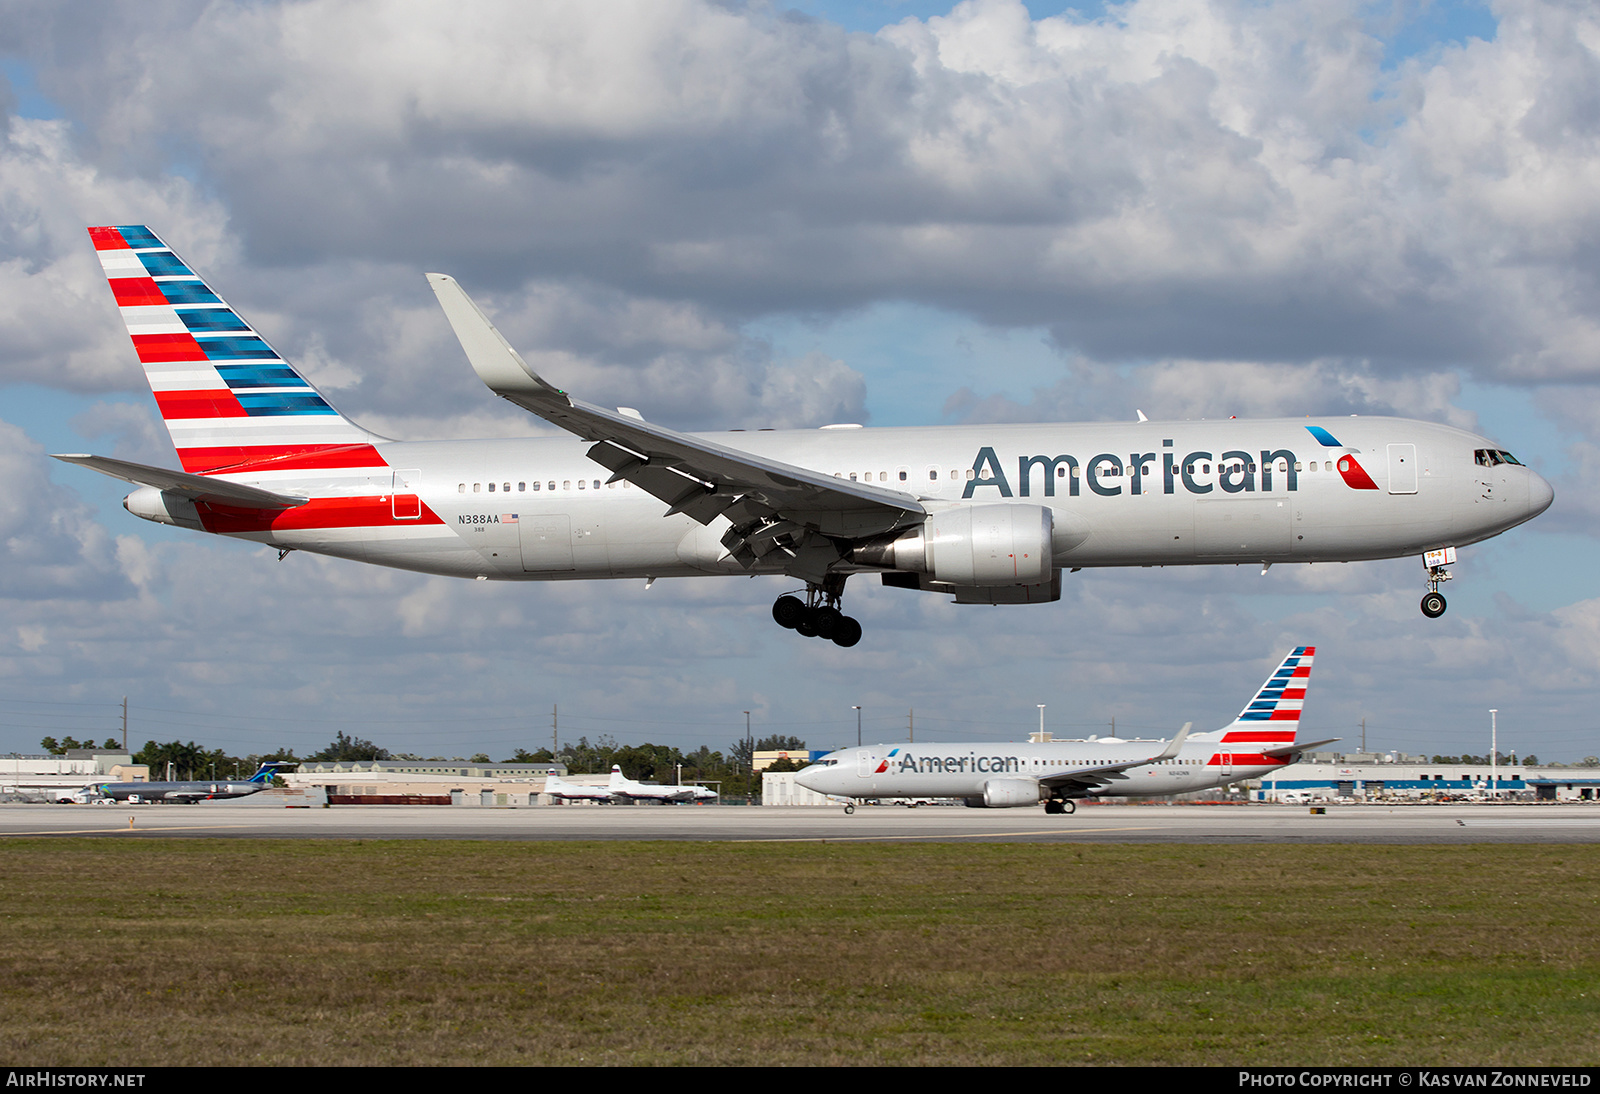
(1215, 180)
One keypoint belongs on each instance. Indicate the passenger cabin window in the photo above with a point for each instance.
(491, 488)
(522, 487)
(462, 489)
(477, 487)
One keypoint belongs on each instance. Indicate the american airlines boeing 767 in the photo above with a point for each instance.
(990, 514)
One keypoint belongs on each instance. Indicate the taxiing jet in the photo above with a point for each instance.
(185, 793)
(627, 789)
(989, 514)
(1261, 739)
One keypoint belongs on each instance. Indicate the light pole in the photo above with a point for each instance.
(858, 725)
(1494, 752)
(750, 745)
(1041, 723)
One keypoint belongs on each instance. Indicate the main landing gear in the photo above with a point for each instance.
(1433, 603)
(1064, 806)
(818, 615)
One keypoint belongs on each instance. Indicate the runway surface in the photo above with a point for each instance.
(1266, 824)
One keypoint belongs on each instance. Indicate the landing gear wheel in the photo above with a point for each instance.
(1433, 605)
(847, 633)
(806, 625)
(827, 622)
(787, 610)
(849, 809)
(1069, 807)
(1053, 807)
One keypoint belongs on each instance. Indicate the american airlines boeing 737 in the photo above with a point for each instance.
(996, 776)
(990, 514)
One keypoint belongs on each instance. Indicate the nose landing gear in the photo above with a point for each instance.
(1433, 602)
(818, 615)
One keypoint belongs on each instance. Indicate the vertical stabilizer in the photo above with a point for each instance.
(1273, 716)
(227, 397)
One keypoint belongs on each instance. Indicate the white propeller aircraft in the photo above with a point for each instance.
(996, 776)
(623, 787)
(990, 514)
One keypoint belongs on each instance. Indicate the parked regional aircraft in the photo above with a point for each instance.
(996, 776)
(557, 787)
(623, 787)
(184, 793)
(990, 514)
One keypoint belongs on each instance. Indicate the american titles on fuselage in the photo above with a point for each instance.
(267, 457)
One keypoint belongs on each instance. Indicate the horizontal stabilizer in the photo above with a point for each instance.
(1297, 747)
(184, 484)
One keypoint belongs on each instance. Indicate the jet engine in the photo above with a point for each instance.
(1007, 793)
(985, 545)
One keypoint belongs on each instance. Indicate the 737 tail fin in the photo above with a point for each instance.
(227, 397)
(1273, 716)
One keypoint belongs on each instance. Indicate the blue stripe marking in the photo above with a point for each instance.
(275, 404)
(188, 292)
(138, 236)
(265, 374)
(1323, 437)
(1263, 716)
(207, 320)
(164, 264)
(234, 349)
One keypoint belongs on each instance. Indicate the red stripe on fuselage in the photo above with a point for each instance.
(159, 348)
(136, 292)
(216, 403)
(108, 239)
(366, 512)
(279, 457)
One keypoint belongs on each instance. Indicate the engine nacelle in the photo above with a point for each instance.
(972, 545)
(1009, 793)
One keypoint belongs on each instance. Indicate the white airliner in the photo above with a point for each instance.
(623, 787)
(994, 775)
(557, 787)
(990, 514)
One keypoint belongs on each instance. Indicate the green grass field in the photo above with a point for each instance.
(147, 952)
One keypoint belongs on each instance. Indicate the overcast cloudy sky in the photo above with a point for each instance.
(738, 215)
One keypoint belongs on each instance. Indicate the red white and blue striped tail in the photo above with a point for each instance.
(1273, 716)
(228, 398)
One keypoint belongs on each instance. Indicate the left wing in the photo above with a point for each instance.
(770, 504)
(1089, 777)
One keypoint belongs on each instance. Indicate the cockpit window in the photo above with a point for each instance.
(1493, 457)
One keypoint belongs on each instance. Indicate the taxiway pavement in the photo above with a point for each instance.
(1449, 824)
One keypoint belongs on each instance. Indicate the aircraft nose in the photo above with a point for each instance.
(1540, 494)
